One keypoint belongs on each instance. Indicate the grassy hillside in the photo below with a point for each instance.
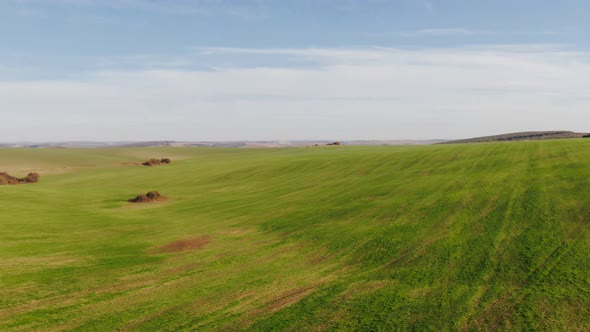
(447, 237)
(522, 136)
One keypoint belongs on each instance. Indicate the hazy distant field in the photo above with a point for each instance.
(447, 237)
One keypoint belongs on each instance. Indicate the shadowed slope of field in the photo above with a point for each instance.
(522, 136)
(447, 237)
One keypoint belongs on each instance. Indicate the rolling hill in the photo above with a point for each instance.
(442, 237)
(522, 136)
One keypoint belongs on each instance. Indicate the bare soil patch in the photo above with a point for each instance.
(152, 196)
(5, 178)
(194, 243)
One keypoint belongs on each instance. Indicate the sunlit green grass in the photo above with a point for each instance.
(445, 237)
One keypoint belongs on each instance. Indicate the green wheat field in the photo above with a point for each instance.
(477, 237)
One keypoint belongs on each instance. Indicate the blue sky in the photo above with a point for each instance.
(263, 69)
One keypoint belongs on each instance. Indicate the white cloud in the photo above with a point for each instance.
(364, 93)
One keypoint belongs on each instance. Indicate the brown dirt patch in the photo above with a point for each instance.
(152, 196)
(5, 178)
(194, 243)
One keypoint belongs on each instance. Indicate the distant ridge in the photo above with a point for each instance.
(522, 136)
(213, 144)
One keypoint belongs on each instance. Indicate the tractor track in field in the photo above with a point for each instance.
(544, 267)
(407, 251)
(421, 244)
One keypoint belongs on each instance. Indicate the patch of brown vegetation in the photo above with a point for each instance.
(194, 243)
(318, 257)
(290, 297)
(285, 299)
(334, 143)
(180, 269)
(69, 299)
(152, 196)
(156, 162)
(363, 288)
(5, 178)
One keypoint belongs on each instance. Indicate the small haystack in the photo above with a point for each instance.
(31, 178)
(152, 196)
(156, 162)
(6, 178)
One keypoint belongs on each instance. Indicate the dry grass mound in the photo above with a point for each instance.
(31, 178)
(152, 196)
(6, 178)
(156, 162)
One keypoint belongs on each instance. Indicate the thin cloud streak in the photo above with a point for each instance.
(441, 32)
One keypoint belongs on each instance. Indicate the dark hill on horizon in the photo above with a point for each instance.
(521, 136)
